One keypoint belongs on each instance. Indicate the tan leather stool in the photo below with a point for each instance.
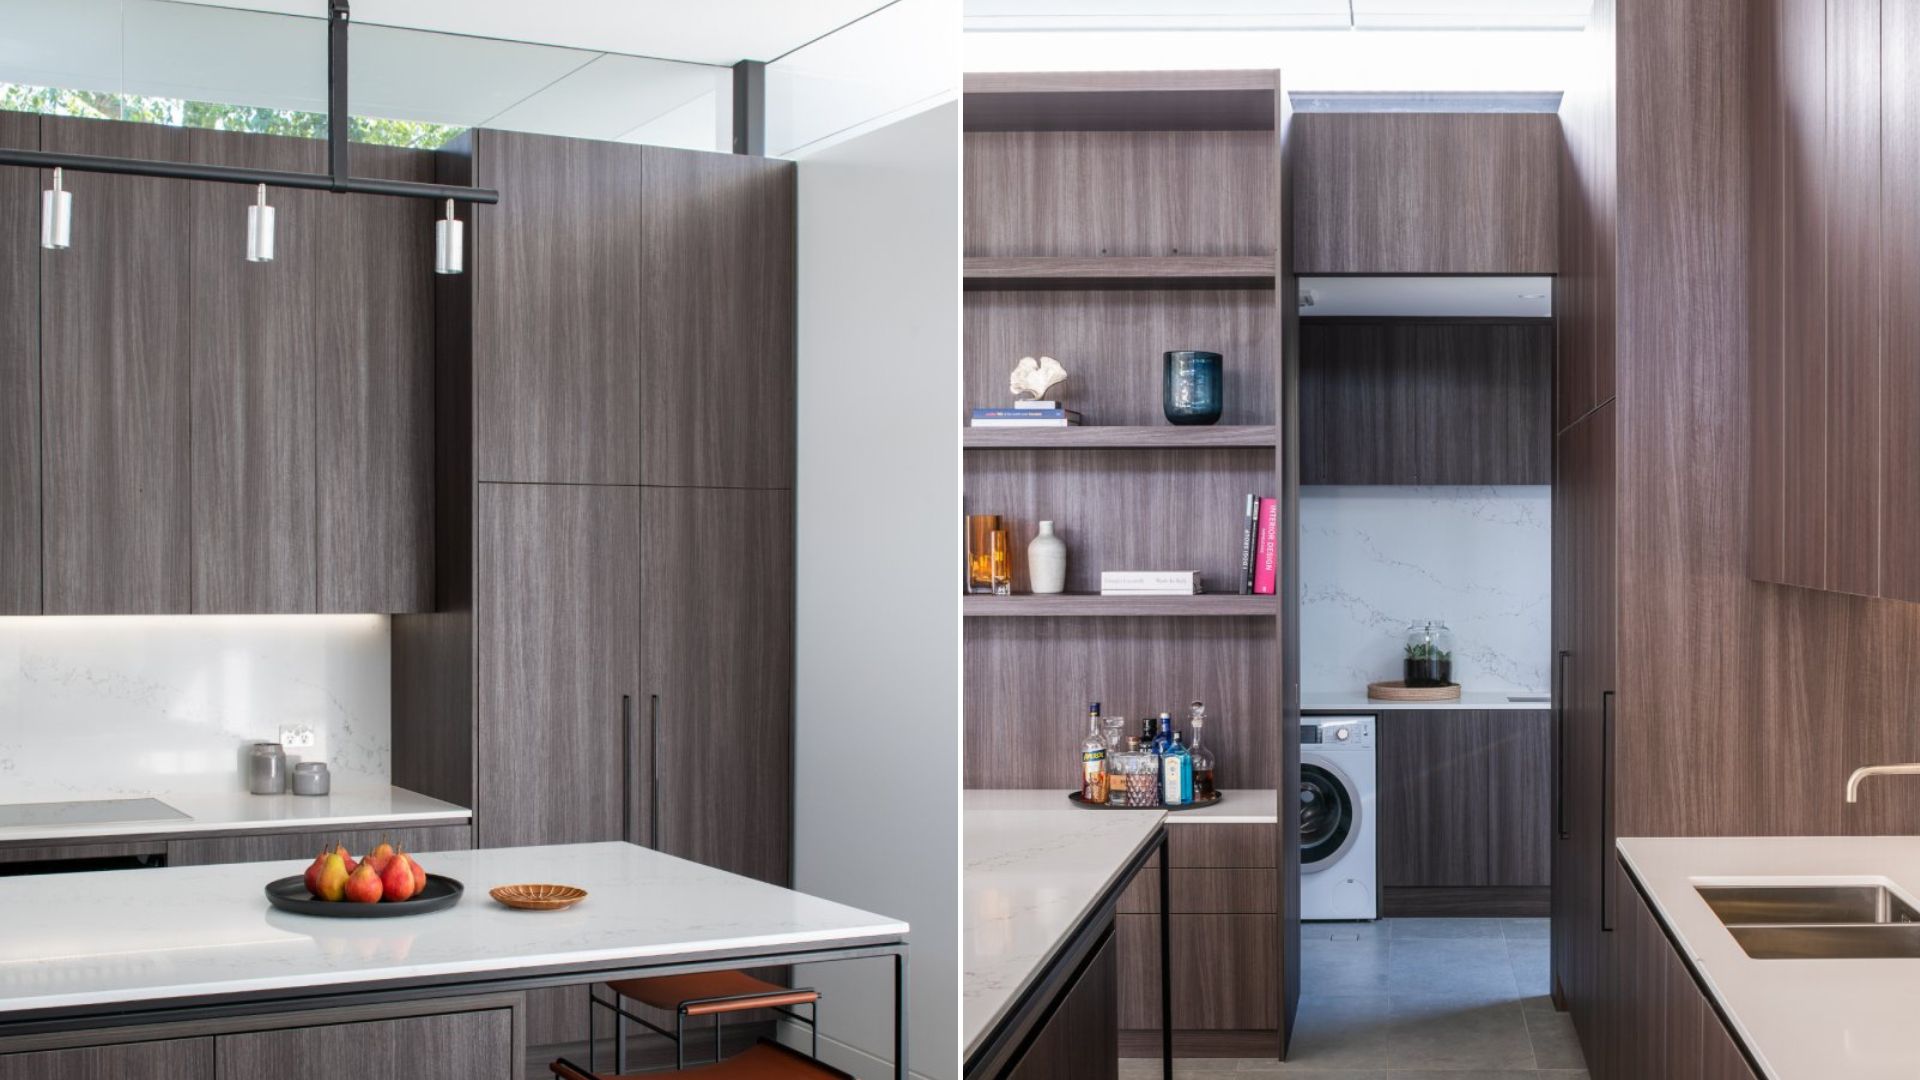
(763, 1061)
(706, 993)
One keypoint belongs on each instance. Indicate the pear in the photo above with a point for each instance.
(419, 874)
(346, 858)
(333, 878)
(363, 885)
(312, 876)
(397, 879)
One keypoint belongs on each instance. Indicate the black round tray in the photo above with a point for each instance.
(1080, 801)
(290, 894)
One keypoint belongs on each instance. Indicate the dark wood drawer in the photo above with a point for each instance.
(171, 1059)
(264, 847)
(1223, 845)
(1226, 971)
(1205, 892)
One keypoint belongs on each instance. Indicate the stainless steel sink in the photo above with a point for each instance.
(1816, 922)
(1750, 905)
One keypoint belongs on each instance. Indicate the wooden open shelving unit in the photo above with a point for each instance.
(1111, 217)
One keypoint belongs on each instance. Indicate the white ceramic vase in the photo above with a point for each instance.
(1047, 561)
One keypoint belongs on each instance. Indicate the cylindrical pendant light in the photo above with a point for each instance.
(56, 216)
(449, 243)
(260, 229)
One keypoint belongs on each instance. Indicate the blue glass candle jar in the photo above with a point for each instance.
(1191, 387)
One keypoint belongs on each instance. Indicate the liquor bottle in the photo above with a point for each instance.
(1176, 773)
(1164, 737)
(1202, 757)
(1093, 759)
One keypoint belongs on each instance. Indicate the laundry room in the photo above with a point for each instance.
(1426, 663)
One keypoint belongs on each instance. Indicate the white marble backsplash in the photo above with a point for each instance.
(106, 706)
(1373, 559)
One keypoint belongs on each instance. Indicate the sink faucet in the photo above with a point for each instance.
(1864, 771)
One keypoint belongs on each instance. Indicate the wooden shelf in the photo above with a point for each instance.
(1121, 101)
(1122, 437)
(1069, 605)
(1119, 272)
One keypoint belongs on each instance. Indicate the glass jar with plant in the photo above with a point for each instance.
(1429, 655)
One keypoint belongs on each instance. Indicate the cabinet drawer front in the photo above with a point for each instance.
(1226, 972)
(265, 847)
(1205, 892)
(1223, 845)
(449, 1046)
(172, 1059)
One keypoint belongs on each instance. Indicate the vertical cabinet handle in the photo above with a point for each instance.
(627, 746)
(1560, 744)
(653, 768)
(1606, 810)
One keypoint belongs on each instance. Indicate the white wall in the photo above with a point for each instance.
(877, 651)
(96, 707)
(1373, 559)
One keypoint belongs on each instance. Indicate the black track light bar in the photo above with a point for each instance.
(336, 178)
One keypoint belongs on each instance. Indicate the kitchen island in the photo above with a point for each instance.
(153, 968)
(1040, 882)
(1794, 1019)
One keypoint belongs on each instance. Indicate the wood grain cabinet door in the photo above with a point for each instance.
(556, 284)
(556, 646)
(717, 295)
(1464, 798)
(116, 493)
(264, 847)
(171, 1059)
(251, 326)
(717, 634)
(1224, 976)
(475, 1045)
(1082, 1038)
(19, 372)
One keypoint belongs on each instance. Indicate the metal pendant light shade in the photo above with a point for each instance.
(449, 244)
(56, 216)
(260, 229)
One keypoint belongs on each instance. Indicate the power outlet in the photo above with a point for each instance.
(298, 737)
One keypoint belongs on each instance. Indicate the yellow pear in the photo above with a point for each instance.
(333, 878)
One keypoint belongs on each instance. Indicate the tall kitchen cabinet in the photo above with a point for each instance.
(19, 373)
(611, 657)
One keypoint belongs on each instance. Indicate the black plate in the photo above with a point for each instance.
(1080, 801)
(290, 894)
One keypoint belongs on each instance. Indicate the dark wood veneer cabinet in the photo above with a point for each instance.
(114, 312)
(1660, 1025)
(169, 1059)
(1464, 801)
(1419, 401)
(19, 373)
(265, 847)
(477, 1045)
(1082, 1037)
(1425, 193)
(556, 661)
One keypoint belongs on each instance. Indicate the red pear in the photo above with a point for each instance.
(419, 874)
(363, 885)
(312, 876)
(397, 880)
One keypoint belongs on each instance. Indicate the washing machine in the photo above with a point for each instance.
(1339, 876)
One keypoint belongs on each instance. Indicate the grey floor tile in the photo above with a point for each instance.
(1341, 1032)
(1532, 966)
(1333, 968)
(1555, 1044)
(1344, 931)
(1527, 929)
(1446, 1032)
(1443, 928)
(1473, 968)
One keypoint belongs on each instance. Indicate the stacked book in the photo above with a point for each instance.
(1149, 583)
(1026, 414)
(1259, 546)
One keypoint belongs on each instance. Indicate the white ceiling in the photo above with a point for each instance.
(703, 32)
(1019, 15)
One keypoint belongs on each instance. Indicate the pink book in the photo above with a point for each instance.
(1266, 562)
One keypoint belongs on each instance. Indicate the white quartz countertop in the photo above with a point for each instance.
(1035, 867)
(1357, 701)
(121, 936)
(1237, 806)
(1800, 1019)
(237, 811)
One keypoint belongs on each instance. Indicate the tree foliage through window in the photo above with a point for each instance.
(106, 105)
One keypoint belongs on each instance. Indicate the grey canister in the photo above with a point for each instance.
(267, 769)
(311, 778)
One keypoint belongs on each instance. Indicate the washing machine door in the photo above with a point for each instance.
(1329, 814)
